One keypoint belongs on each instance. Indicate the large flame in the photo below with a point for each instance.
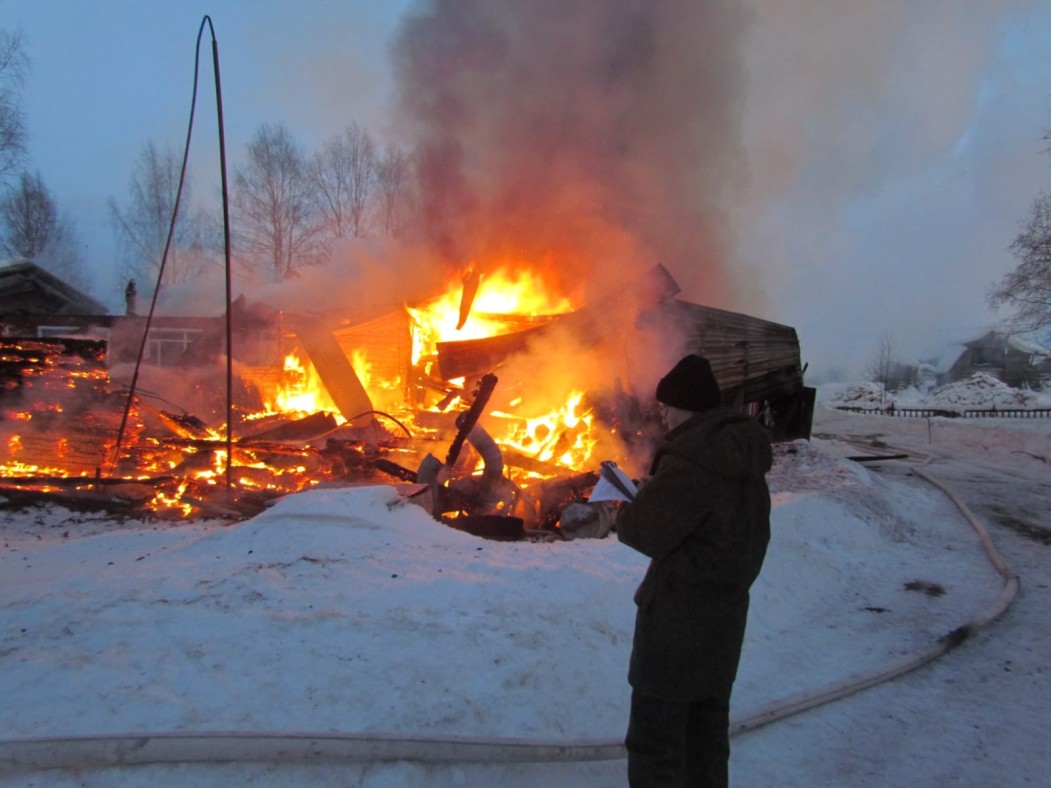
(502, 294)
(180, 472)
(299, 389)
(555, 432)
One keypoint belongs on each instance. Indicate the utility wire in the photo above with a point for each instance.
(167, 248)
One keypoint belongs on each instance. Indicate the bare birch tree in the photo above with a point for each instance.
(143, 223)
(32, 227)
(13, 67)
(276, 221)
(344, 174)
(28, 217)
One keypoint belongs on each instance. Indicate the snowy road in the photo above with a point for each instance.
(978, 716)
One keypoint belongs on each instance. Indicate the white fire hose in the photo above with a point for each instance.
(109, 750)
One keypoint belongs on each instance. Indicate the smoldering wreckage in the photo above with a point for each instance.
(458, 425)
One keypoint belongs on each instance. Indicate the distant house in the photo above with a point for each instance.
(35, 303)
(27, 289)
(1019, 361)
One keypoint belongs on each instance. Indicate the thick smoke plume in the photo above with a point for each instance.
(590, 139)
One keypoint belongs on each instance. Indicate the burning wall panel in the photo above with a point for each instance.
(380, 351)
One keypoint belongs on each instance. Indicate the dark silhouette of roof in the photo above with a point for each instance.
(27, 289)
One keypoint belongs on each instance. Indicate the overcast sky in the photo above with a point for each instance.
(891, 148)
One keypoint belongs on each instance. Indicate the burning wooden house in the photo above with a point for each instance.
(492, 406)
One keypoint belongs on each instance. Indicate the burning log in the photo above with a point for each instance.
(30, 357)
(475, 356)
(304, 429)
(516, 459)
(183, 425)
(121, 496)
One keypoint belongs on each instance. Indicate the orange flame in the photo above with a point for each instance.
(563, 434)
(300, 389)
(522, 294)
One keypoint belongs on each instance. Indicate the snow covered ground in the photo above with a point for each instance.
(348, 610)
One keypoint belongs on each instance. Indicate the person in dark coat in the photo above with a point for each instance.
(703, 518)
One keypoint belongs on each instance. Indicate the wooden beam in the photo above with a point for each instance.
(336, 373)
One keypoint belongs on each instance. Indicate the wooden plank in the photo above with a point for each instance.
(336, 373)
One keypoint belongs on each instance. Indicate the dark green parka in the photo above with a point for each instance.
(704, 520)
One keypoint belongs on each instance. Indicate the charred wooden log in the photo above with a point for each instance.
(475, 356)
(183, 425)
(126, 497)
(397, 471)
(49, 361)
(489, 526)
(466, 421)
(470, 289)
(304, 429)
(552, 496)
(29, 483)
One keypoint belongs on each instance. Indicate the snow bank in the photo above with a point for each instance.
(980, 391)
(984, 391)
(858, 395)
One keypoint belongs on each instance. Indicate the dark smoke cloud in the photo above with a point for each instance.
(591, 138)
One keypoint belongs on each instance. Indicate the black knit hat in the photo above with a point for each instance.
(690, 385)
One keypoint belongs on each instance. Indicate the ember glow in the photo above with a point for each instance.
(563, 437)
(292, 435)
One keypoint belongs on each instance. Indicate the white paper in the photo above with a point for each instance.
(607, 491)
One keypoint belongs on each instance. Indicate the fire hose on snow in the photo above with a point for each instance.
(31, 754)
